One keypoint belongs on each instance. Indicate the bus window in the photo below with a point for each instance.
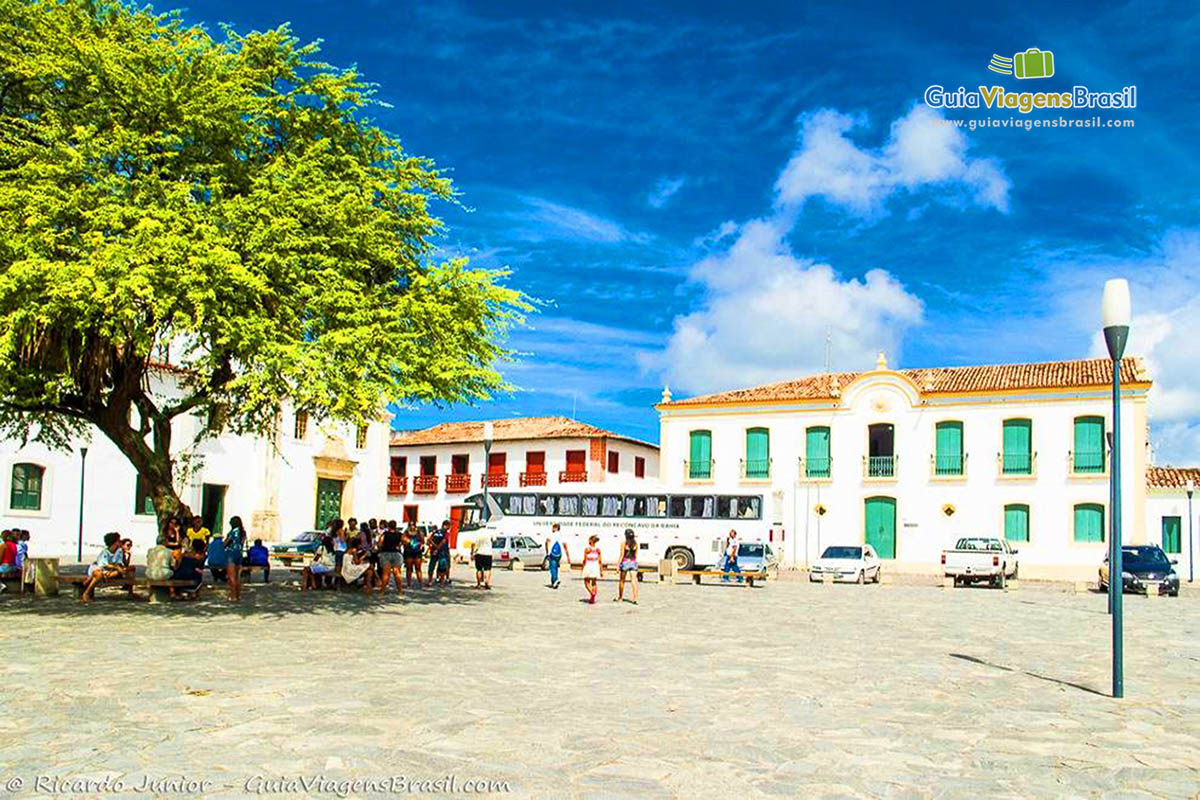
(517, 505)
(591, 505)
(610, 505)
(700, 507)
(640, 505)
(656, 506)
(546, 505)
(568, 505)
(678, 506)
(726, 508)
(528, 504)
(749, 508)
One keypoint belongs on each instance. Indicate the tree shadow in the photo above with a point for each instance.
(275, 600)
(1040, 677)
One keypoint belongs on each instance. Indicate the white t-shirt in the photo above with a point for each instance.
(483, 545)
(731, 547)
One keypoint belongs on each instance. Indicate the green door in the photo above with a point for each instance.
(880, 530)
(1171, 527)
(329, 501)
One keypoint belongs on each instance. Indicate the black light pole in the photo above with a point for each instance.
(1191, 487)
(488, 433)
(1115, 315)
(82, 473)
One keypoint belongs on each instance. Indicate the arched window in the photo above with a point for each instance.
(1016, 522)
(699, 465)
(1089, 522)
(26, 494)
(758, 453)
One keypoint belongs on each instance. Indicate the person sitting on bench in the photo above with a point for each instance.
(257, 556)
(158, 562)
(191, 568)
(109, 565)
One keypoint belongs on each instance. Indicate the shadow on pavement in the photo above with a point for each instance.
(1079, 686)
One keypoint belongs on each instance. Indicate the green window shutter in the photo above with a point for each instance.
(1018, 447)
(1171, 539)
(26, 493)
(1089, 523)
(700, 455)
(948, 458)
(143, 503)
(1016, 522)
(758, 453)
(816, 452)
(1089, 444)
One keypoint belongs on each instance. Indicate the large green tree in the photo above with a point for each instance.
(226, 200)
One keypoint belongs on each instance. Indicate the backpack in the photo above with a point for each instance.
(556, 550)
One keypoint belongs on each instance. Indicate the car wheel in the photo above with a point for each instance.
(1174, 593)
(877, 572)
(1016, 571)
(862, 577)
(512, 564)
(682, 557)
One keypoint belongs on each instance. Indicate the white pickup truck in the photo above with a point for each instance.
(980, 558)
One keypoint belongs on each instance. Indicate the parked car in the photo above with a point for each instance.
(845, 563)
(756, 557)
(980, 558)
(305, 542)
(1144, 568)
(508, 550)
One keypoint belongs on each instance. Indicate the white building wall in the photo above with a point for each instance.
(260, 478)
(922, 528)
(1162, 503)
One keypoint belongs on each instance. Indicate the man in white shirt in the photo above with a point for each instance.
(731, 552)
(481, 549)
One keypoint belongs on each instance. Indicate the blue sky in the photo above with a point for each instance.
(701, 194)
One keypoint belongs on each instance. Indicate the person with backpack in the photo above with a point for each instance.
(556, 549)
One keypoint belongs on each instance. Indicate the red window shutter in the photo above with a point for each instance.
(576, 461)
(639, 467)
(399, 466)
(429, 465)
(535, 462)
(614, 461)
(458, 464)
(497, 463)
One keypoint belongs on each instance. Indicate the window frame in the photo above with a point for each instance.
(39, 473)
(1028, 521)
(1075, 509)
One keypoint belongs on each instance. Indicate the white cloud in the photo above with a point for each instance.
(558, 221)
(765, 312)
(663, 191)
(920, 151)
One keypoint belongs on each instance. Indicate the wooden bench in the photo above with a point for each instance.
(160, 590)
(15, 577)
(77, 582)
(748, 577)
(288, 558)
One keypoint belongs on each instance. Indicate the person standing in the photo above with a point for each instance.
(592, 567)
(481, 549)
(235, 543)
(439, 555)
(391, 559)
(414, 547)
(556, 550)
(628, 567)
(731, 554)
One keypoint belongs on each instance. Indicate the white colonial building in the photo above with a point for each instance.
(434, 470)
(910, 460)
(1172, 519)
(307, 474)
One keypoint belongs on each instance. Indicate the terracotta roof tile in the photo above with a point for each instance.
(1090, 372)
(506, 430)
(1171, 477)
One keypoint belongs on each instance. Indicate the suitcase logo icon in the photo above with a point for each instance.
(1033, 63)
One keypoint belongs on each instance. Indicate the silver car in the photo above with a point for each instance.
(508, 550)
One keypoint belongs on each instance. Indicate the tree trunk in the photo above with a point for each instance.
(153, 464)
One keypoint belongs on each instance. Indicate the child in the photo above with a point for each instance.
(592, 567)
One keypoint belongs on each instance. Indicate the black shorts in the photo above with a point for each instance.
(483, 563)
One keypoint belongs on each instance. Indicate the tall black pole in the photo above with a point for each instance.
(1116, 575)
(1191, 561)
(82, 474)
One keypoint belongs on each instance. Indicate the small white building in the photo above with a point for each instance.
(910, 460)
(434, 470)
(280, 487)
(1172, 519)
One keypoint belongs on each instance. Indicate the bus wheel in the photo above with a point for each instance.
(682, 557)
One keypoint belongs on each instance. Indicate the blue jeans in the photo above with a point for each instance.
(552, 562)
(731, 565)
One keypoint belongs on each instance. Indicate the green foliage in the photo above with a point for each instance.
(223, 203)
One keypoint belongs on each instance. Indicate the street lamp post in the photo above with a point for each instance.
(1115, 317)
(489, 432)
(82, 474)
(1191, 487)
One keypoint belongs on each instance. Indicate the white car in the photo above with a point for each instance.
(507, 550)
(857, 564)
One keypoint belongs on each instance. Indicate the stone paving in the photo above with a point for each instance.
(786, 690)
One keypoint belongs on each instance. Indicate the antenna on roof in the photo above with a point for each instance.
(574, 398)
(829, 348)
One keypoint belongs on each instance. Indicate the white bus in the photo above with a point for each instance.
(688, 527)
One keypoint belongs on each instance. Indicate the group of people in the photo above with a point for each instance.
(377, 553)
(593, 564)
(183, 551)
(14, 549)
